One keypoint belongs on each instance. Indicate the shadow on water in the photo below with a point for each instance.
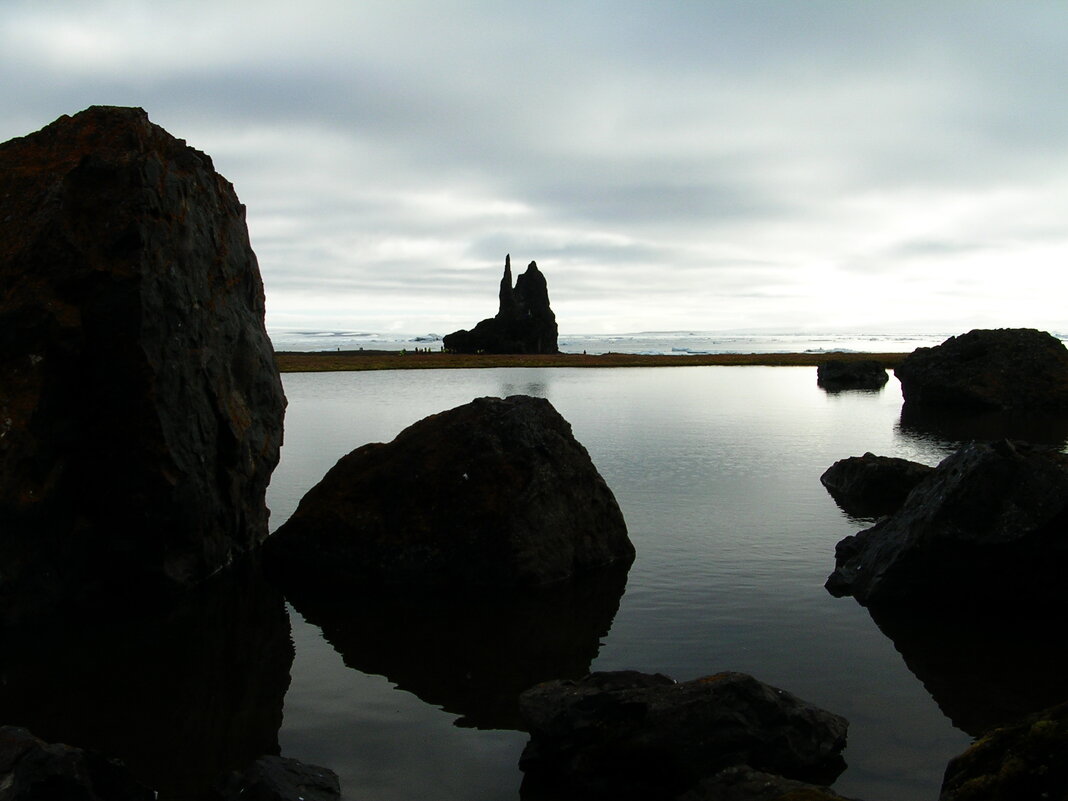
(180, 697)
(954, 427)
(472, 656)
(985, 671)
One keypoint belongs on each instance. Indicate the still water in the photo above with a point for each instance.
(717, 472)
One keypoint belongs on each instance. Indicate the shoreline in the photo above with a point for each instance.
(348, 360)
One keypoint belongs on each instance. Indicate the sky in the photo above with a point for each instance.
(816, 166)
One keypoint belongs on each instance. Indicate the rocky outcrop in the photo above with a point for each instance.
(524, 322)
(629, 735)
(140, 408)
(1006, 368)
(275, 778)
(836, 375)
(989, 526)
(33, 770)
(745, 784)
(872, 486)
(494, 493)
(1024, 761)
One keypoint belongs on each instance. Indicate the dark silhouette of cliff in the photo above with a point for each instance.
(524, 321)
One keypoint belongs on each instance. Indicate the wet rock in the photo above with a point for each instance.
(838, 375)
(33, 770)
(872, 486)
(140, 408)
(629, 735)
(275, 778)
(1017, 763)
(1006, 368)
(494, 493)
(988, 527)
(524, 322)
(745, 784)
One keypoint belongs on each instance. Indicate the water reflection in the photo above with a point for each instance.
(983, 672)
(471, 656)
(180, 699)
(954, 427)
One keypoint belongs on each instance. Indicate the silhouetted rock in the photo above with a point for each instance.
(1018, 763)
(275, 778)
(838, 375)
(33, 770)
(956, 427)
(470, 656)
(1006, 368)
(140, 407)
(870, 485)
(494, 493)
(745, 784)
(524, 321)
(629, 735)
(989, 526)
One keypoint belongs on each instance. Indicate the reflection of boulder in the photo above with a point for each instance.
(629, 735)
(140, 406)
(838, 375)
(988, 527)
(179, 700)
(1017, 763)
(494, 493)
(1007, 368)
(959, 426)
(524, 322)
(984, 670)
(870, 485)
(471, 656)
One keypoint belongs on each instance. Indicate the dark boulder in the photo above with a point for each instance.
(140, 407)
(989, 526)
(872, 486)
(494, 493)
(524, 322)
(1025, 761)
(745, 784)
(1006, 368)
(629, 735)
(33, 770)
(838, 374)
(275, 778)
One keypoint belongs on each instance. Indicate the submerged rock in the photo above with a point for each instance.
(989, 526)
(1006, 368)
(872, 486)
(275, 778)
(140, 407)
(838, 374)
(33, 770)
(629, 735)
(494, 493)
(524, 322)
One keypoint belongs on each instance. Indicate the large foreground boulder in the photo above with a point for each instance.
(838, 374)
(524, 323)
(872, 486)
(275, 778)
(494, 493)
(989, 526)
(628, 735)
(1006, 368)
(140, 407)
(742, 783)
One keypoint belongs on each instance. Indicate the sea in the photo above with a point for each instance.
(717, 472)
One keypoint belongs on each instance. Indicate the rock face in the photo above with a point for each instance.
(494, 493)
(140, 408)
(1024, 761)
(990, 525)
(838, 375)
(275, 778)
(872, 486)
(524, 321)
(1007, 368)
(31, 769)
(628, 735)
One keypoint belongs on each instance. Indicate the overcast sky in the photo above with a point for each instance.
(815, 166)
